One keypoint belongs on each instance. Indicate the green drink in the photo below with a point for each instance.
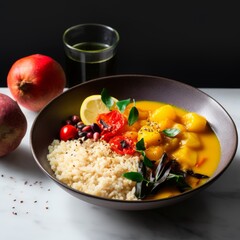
(90, 52)
(91, 46)
(78, 72)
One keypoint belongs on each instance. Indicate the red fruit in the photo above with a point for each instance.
(68, 132)
(35, 80)
(13, 125)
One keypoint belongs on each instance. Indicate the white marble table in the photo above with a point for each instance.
(33, 207)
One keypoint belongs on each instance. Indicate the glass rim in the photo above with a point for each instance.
(91, 24)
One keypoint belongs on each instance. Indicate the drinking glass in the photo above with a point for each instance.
(90, 51)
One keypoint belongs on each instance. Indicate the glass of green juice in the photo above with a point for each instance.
(90, 52)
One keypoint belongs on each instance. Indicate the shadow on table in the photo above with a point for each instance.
(21, 161)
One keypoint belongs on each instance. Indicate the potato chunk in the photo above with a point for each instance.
(191, 140)
(171, 144)
(194, 122)
(180, 127)
(166, 123)
(186, 157)
(150, 135)
(162, 113)
(154, 152)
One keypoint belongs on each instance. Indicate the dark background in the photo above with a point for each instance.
(196, 42)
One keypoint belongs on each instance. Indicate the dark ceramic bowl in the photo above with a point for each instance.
(140, 87)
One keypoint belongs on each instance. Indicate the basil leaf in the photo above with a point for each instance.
(147, 161)
(122, 104)
(140, 146)
(133, 116)
(106, 98)
(171, 132)
(134, 176)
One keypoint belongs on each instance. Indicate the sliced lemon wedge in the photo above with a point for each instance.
(91, 107)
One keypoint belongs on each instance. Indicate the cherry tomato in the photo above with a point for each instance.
(111, 124)
(122, 145)
(68, 132)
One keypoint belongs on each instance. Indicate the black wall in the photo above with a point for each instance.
(196, 42)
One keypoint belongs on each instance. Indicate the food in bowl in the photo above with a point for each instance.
(135, 151)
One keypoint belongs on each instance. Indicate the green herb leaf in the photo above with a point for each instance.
(159, 169)
(134, 176)
(141, 187)
(140, 146)
(147, 161)
(197, 175)
(171, 132)
(122, 104)
(133, 116)
(106, 98)
(141, 190)
(151, 180)
(161, 174)
(179, 181)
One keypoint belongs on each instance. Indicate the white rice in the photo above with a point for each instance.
(93, 168)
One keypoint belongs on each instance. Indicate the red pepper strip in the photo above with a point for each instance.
(122, 145)
(111, 124)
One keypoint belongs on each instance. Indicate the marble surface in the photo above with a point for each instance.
(33, 207)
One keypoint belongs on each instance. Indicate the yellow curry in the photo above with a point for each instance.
(195, 147)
